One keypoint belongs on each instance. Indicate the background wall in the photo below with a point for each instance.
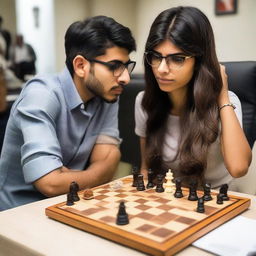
(66, 12)
(235, 34)
(7, 11)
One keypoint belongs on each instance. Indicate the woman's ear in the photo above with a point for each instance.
(81, 66)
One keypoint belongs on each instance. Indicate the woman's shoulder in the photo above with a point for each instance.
(139, 97)
(234, 98)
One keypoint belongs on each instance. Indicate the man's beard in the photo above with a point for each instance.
(97, 88)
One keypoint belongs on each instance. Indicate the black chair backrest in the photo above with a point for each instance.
(130, 147)
(242, 81)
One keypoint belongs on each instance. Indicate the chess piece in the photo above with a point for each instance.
(200, 205)
(224, 192)
(135, 173)
(70, 200)
(207, 192)
(178, 192)
(116, 184)
(159, 183)
(150, 179)
(219, 199)
(140, 183)
(122, 216)
(192, 191)
(88, 194)
(73, 190)
(168, 184)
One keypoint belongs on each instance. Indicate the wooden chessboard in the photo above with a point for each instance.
(159, 223)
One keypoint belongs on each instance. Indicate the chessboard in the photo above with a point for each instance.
(159, 223)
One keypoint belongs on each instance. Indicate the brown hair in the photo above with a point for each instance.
(190, 30)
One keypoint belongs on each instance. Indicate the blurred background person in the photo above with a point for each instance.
(6, 35)
(23, 59)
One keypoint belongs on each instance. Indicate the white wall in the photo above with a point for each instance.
(41, 38)
(235, 34)
(7, 11)
(65, 13)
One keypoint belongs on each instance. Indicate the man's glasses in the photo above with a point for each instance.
(173, 61)
(117, 67)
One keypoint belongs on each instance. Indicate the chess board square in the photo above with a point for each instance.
(102, 204)
(162, 232)
(90, 211)
(142, 207)
(131, 204)
(185, 220)
(162, 200)
(145, 215)
(152, 203)
(146, 228)
(176, 226)
(111, 193)
(210, 209)
(141, 201)
(109, 219)
(102, 191)
(121, 195)
(165, 207)
(133, 210)
(163, 218)
(155, 211)
(100, 197)
(150, 191)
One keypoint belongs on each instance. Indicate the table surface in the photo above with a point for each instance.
(26, 230)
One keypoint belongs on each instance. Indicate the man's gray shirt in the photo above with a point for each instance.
(49, 127)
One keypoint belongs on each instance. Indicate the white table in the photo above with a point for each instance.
(26, 230)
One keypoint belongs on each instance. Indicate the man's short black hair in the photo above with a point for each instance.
(91, 37)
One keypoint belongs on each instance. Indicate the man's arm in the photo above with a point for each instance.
(103, 163)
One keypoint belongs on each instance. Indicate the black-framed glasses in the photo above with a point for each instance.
(116, 66)
(173, 61)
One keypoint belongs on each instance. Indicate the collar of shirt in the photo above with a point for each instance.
(72, 96)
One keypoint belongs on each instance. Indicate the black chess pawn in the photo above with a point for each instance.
(207, 192)
(140, 183)
(219, 199)
(135, 173)
(70, 200)
(178, 192)
(159, 183)
(73, 190)
(150, 179)
(200, 205)
(122, 216)
(192, 191)
(224, 192)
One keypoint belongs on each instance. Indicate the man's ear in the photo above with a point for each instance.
(81, 66)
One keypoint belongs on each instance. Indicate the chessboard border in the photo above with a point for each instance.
(167, 248)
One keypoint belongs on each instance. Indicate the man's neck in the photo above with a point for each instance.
(83, 92)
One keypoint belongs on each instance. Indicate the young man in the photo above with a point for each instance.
(64, 128)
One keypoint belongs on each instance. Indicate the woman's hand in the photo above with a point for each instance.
(223, 97)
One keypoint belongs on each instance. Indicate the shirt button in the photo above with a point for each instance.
(82, 107)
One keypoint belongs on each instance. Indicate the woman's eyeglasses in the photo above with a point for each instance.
(173, 61)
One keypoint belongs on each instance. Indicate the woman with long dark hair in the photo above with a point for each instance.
(186, 118)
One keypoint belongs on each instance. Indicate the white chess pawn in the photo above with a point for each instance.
(168, 184)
